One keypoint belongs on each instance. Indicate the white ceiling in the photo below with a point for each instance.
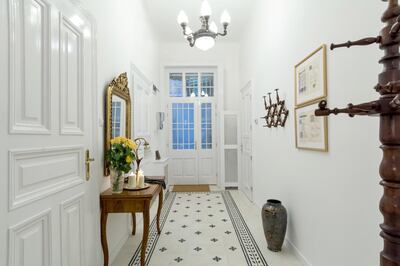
(163, 14)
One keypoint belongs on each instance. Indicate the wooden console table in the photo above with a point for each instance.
(130, 202)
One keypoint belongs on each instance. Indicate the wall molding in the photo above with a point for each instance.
(25, 189)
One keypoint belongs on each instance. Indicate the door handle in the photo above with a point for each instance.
(88, 160)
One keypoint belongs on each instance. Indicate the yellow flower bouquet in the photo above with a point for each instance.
(119, 158)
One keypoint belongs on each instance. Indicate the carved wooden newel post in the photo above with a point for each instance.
(388, 108)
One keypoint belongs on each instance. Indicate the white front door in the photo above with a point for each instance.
(191, 119)
(246, 175)
(48, 208)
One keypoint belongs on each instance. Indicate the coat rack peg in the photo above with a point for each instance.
(276, 111)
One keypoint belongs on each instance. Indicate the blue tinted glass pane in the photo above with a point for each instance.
(183, 127)
(192, 86)
(207, 84)
(175, 84)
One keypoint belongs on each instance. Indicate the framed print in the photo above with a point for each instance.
(310, 77)
(311, 130)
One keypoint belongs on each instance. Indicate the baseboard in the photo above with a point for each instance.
(117, 248)
(296, 251)
(299, 255)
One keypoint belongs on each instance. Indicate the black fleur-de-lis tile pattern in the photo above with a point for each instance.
(217, 259)
(221, 225)
(178, 259)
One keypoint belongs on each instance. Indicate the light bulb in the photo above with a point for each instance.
(183, 18)
(225, 18)
(213, 27)
(188, 31)
(205, 9)
(205, 43)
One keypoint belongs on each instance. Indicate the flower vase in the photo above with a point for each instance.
(116, 180)
(274, 217)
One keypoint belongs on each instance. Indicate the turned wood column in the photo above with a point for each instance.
(390, 202)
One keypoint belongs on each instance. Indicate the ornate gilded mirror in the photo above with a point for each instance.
(118, 112)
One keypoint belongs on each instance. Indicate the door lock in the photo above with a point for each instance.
(88, 160)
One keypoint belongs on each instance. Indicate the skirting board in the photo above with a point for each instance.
(117, 248)
(296, 251)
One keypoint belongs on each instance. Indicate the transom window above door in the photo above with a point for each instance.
(191, 84)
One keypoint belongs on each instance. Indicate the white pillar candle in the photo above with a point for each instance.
(141, 178)
(132, 181)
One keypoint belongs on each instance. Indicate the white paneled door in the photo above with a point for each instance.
(246, 175)
(48, 204)
(191, 120)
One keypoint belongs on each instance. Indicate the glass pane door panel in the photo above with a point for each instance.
(207, 84)
(175, 85)
(183, 126)
(206, 126)
(192, 84)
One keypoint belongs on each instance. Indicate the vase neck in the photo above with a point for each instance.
(274, 202)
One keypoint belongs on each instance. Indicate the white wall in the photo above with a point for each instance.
(124, 36)
(332, 198)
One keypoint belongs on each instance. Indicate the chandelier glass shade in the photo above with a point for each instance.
(204, 38)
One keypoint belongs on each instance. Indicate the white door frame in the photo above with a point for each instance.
(247, 189)
(219, 106)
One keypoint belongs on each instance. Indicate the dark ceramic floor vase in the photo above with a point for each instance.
(274, 217)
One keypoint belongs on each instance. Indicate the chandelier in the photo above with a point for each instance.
(204, 38)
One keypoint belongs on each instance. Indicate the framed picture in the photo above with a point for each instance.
(311, 130)
(310, 77)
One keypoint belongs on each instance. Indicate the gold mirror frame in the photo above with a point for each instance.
(118, 87)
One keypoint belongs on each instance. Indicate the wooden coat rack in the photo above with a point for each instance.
(276, 113)
(388, 108)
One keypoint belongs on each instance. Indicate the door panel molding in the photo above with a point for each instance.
(29, 88)
(30, 241)
(72, 224)
(71, 78)
(37, 173)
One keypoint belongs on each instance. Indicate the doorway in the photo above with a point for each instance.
(191, 118)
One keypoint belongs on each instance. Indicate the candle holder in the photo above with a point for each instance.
(276, 112)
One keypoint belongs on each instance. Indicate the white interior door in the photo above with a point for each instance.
(47, 206)
(191, 119)
(246, 176)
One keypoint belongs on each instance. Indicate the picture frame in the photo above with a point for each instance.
(311, 130)
(311, 78)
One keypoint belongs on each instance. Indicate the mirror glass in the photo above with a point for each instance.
(118, 117)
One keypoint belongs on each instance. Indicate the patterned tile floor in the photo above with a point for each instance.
(206, 229)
